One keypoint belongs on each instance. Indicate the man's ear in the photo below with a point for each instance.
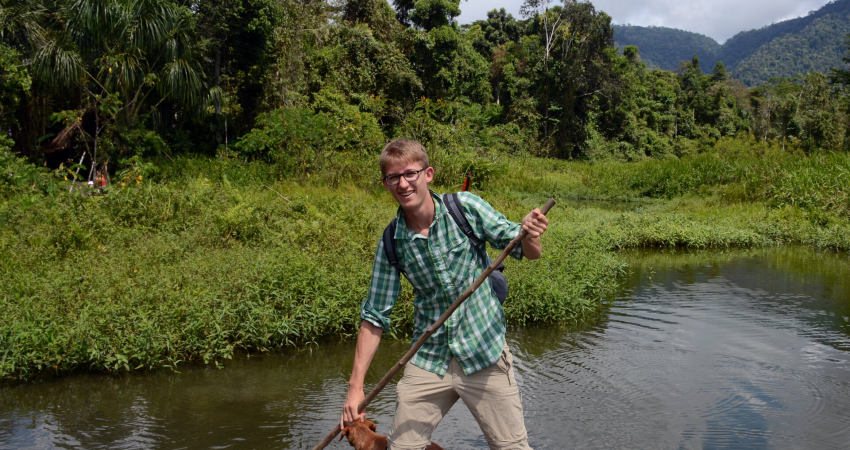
(429, 174)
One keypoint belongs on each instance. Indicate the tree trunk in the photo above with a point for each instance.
(93, 168)
(217, 84)
(217, 78)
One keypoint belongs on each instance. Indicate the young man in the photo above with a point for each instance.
(467, 357)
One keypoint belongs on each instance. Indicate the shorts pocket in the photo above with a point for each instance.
(505, 363)
(502, 363)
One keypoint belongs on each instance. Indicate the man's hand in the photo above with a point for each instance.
(368, 339)
(349, 410)
(535, 224)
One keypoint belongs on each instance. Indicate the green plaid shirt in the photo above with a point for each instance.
(440, 268)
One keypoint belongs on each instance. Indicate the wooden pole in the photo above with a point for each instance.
(434, 327)
(74, 181)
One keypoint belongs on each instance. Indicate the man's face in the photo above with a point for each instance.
(410, 194)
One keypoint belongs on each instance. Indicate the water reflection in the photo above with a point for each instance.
(722, 350)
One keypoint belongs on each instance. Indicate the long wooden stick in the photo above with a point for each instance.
(74, 183)
(433, 328)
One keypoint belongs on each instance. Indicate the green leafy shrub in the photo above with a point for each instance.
(143, 143)
(17, 175)
(453, 143)
(509, 138)
(15, 84)
(300, 140)
(135, 170)
(435, 124)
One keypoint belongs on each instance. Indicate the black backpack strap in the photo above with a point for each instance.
(497, 278)
(389, 245)
(456, 211)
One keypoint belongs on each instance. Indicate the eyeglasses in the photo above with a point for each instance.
(410, 176)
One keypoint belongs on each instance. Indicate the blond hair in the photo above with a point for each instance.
(405, 151)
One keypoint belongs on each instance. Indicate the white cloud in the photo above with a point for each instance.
(720, 19)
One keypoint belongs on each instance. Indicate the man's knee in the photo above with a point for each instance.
(521, 444)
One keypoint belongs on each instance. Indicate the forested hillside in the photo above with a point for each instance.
(815, 48)
(744, 44)
(665, 47)
(814, 43)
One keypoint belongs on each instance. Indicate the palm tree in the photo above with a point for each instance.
(141, 51)
(118, 59)
(21, 24)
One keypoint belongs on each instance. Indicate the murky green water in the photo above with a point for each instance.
(719, 350)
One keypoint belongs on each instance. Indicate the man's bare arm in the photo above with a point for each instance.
(368, 340)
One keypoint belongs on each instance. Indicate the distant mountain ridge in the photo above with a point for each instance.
(665, 47)
(814, 43)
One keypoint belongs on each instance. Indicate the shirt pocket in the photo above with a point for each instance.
(460, 257)
(418, 268)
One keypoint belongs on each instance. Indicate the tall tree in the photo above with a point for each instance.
(550, 19)
(499, 28)
(142, 51)
(822, 121)
(117, 59)
(403, 9)
(449, 66)
(430, 14)
(718, 74)
(15, 85)
(240, 34)
(574, 47)
(774, 108)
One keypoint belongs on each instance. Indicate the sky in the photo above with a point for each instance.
(719, 19)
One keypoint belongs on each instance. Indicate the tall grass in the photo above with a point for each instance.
(737, 170)
(196, 259)
(213, 258)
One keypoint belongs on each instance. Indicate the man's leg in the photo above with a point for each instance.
(424, 398)
(494, 400)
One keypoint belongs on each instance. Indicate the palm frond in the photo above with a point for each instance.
(21, 23)
(151, 25)
(58, 64)
(122, 71)
(182, 81)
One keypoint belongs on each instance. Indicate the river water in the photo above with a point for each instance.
(710, 349)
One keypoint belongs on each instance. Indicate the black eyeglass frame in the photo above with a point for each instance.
(405, 175)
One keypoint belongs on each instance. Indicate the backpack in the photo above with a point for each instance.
(497, 278)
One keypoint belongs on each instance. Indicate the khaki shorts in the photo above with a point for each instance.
(491, 394)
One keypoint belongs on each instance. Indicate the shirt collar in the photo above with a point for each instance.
(402, 232)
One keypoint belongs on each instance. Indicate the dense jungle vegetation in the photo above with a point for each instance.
(813, 43)
(237, 140)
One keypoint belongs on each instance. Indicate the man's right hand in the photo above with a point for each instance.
(352, 402)
(368, 339)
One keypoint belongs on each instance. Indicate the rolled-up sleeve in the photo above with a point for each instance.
(489, 224)
(383, 291)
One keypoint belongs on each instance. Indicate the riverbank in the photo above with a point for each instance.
(197, 259)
